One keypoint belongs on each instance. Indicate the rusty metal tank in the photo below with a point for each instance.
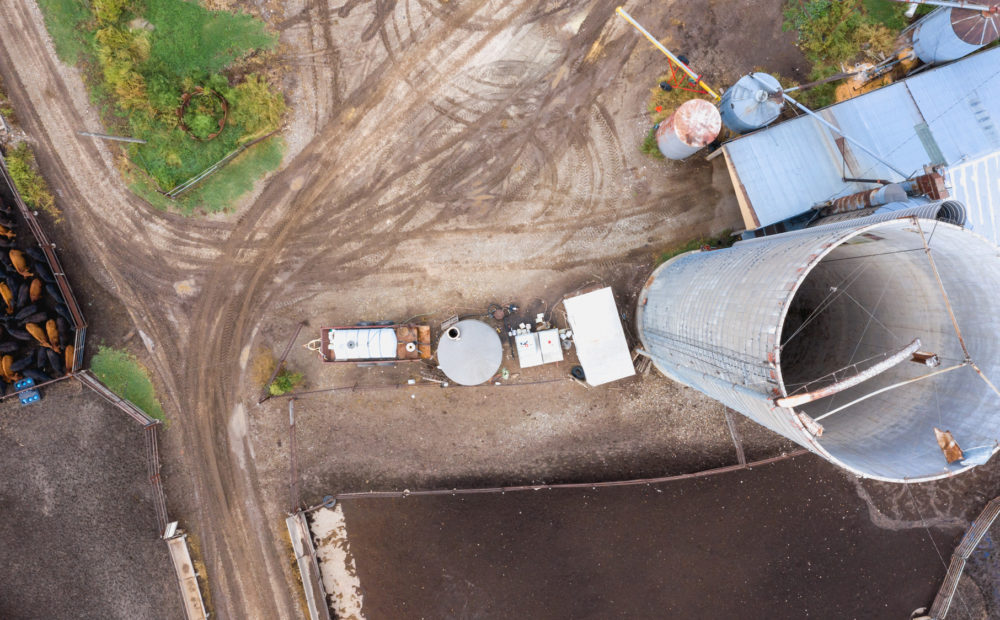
(692, 127)
(948, 34)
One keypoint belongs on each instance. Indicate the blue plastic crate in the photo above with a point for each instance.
(26, 394)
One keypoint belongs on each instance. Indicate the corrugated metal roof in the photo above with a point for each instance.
(976, 184)
(946, 115)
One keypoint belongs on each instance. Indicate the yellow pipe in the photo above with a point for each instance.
(669, 55)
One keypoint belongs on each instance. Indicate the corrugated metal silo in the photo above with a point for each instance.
(774, 316)
(947, 34)
(754, 101)
(692, 127)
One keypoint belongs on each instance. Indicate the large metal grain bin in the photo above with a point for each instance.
(806, 313)
(948, 34)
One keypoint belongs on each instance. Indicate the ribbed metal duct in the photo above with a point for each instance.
(950, 211)
(754, 322)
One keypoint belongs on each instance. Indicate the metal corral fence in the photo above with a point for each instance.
(79, 324)
(566, 485)
(207, 172)
(973, 536)
(150, 426)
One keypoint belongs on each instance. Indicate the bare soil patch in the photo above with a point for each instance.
(78, 538)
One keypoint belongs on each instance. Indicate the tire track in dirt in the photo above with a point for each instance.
(241, 300)
(398, 143)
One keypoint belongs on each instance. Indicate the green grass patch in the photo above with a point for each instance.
(889, 14)
(6, 109)
(141, 56)
(190, 40)
(126, 377)
(32, 187)
(649, 146)
(66, 21)
(722, 240)
(219, 192)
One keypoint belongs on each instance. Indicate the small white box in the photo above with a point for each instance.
(548, 344)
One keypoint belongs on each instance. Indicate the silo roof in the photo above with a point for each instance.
(470, 352)
(947, 116)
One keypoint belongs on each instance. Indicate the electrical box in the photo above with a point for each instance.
(528, 352)
(537, 348)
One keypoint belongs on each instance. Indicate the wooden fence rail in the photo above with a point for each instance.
(153, 466)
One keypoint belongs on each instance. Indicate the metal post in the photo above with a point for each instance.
(104, 136)
(294, 482)
(954, 4)
(736, 436)
(673, 59)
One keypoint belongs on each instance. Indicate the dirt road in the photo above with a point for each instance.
(442, 151)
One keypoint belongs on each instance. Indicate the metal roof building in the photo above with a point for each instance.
(948, 116)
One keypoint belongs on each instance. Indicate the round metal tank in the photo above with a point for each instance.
(469, 352)
(754, 101)
(692, 127)
(775, 316)
(948, 34)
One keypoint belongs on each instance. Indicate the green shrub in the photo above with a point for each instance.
(30, 184)
(832, 33)
(285, 382)
(256, 107)
(66, 21)
(109, 11)
(141, 75)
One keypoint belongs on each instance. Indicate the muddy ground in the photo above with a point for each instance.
(734, 545)
(440, 156)
(78, 534)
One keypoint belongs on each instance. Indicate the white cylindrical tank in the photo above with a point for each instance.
(947, 34)
(470, 352)
(754, 101)
(775, 316)
(692, 127)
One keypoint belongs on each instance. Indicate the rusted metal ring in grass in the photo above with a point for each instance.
(187, 98)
